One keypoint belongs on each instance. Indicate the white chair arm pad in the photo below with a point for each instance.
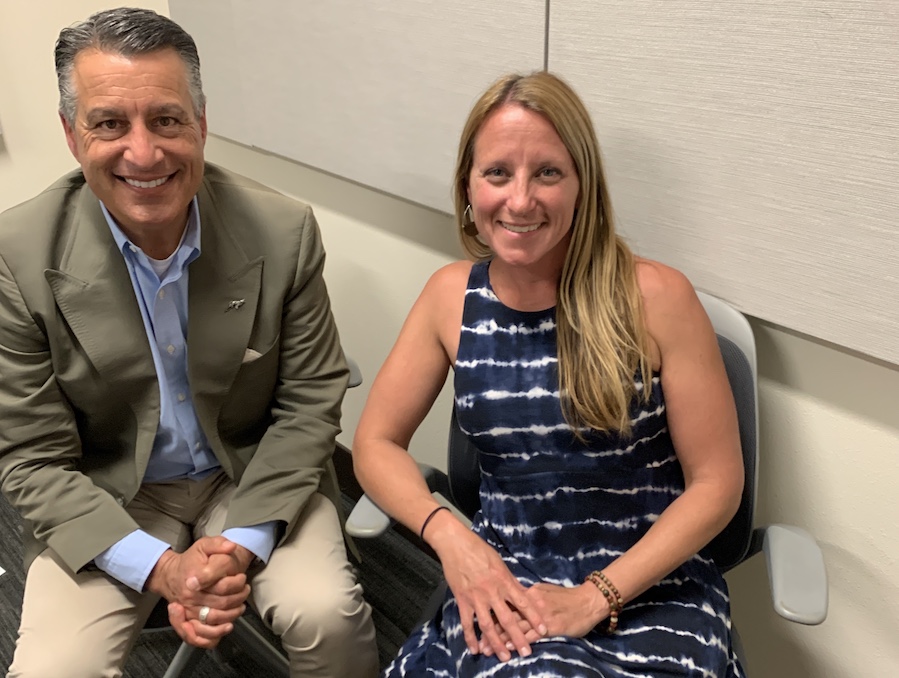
(796, 574)
(366, 520)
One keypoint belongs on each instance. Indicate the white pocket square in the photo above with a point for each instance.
(250, 355)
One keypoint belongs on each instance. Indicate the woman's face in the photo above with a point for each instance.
(523, 188)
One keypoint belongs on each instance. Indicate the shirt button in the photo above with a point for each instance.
(170, 349)
(181, 397)
(132, 248)
(162, 294)
(196, 446)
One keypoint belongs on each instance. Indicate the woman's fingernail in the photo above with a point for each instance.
(510, 646)
(524, 651)
(542, 629)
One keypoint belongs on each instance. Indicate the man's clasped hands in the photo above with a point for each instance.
(206, 587)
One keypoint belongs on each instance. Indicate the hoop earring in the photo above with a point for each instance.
(468, 226)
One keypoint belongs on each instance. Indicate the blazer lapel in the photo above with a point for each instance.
(222, 299)
(95, 295)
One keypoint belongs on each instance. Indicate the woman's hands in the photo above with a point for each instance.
(566, 611)
(569, 611)
(509, 615)
(485, 591)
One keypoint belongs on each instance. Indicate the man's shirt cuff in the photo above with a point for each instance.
(258, 539)
(132, 558)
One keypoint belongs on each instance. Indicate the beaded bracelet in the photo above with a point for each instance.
(421, 532)
(608, 590)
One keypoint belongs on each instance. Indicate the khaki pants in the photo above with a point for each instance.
(83, 625)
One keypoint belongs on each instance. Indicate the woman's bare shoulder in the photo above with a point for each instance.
(448, 282)
(662, 287)
(441, 304)
(671, 309)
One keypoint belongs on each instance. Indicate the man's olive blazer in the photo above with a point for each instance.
(79, 398)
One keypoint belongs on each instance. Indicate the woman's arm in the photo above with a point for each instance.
(402, 394)
(702, 421)
(400, 397)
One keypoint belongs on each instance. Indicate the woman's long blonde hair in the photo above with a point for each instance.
(602, 340)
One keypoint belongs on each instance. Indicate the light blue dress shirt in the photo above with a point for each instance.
(180, 449)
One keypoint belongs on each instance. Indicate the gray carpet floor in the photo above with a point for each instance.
(396, 576)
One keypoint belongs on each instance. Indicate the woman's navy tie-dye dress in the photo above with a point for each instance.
(556, 510)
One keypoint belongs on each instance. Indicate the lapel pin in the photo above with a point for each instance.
(235, 305)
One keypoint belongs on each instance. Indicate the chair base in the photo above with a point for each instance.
(244, 640)
(185, 661)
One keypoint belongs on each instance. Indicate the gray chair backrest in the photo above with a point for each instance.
(463, 470)
(737, 345)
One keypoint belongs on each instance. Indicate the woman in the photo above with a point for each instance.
(591, 382)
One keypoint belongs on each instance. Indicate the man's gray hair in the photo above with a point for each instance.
(130, 32)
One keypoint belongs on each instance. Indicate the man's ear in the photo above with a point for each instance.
(70, 136)
(203, 128)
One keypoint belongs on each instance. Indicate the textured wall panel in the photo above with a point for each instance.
(376, 92)
(755, 146)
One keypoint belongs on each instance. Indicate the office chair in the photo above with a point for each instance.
(796, 573)
(245, 638)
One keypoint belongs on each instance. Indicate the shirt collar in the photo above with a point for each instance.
(190, 242)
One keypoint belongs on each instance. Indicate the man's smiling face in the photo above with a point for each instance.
(137, 138)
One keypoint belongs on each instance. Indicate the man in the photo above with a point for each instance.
(171, 381)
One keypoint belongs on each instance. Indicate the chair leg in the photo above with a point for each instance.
(248, 640)
(186, 659)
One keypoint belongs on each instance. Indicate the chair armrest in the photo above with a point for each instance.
(437, 480)
(355, 373)
(367, 521)
(796, 574)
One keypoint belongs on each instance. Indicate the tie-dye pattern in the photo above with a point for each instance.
(556, 509)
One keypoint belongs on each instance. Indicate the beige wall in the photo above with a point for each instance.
(32, 148)
(830, 431)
